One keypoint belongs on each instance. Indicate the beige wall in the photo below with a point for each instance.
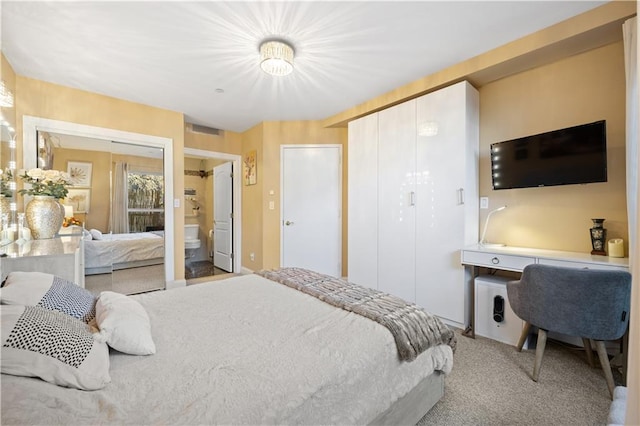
(577, 90)
(227, 142)
(45, 100)
(252, 203)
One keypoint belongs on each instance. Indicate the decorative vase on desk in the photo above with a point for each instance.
(44, 216)
(44, 213)
(598, 237)
(5, 204)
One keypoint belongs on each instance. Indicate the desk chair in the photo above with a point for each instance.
(588, 303)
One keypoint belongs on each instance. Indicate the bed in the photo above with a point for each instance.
(105, 253)
(247, 350)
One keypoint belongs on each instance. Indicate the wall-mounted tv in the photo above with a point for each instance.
(561, 157)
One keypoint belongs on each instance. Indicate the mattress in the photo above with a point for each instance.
(121, 249)
(244, 350)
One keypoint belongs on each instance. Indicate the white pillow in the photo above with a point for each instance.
(53, 346)
(50, 292)
(124, 324)
(95, 234)
(86, 235)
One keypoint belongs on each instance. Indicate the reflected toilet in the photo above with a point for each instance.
(191, 240)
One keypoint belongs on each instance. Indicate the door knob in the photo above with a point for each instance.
(288, 223)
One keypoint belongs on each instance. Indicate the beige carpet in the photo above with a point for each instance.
(491, 385)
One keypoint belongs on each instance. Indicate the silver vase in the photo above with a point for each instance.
(44, 216)
(5, 205)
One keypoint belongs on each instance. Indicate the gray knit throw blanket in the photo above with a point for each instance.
(413, 329)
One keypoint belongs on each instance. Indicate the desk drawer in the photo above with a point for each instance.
(506, 262)
(581, 265)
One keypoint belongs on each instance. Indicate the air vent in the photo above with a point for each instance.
(196, 128)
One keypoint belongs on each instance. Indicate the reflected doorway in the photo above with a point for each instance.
(212, 204)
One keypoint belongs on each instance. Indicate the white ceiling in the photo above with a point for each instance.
(176, 55)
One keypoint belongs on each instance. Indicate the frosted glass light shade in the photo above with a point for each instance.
(276, 58)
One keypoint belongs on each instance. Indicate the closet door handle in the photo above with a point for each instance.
(460, 195)
(412, 198)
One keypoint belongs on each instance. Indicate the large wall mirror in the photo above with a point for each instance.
(7, 178)
(120, 197)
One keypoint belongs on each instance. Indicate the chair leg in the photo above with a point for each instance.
(523, 337)
(604, 362)
(587, 349)
(542, 342)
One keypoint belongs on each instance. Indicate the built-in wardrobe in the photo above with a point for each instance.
(413, 199)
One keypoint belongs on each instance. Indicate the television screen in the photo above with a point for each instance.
(562, 157)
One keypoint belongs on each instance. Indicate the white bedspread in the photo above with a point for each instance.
(121, 248)
(240, 351)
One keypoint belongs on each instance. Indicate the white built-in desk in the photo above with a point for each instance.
(514, 259)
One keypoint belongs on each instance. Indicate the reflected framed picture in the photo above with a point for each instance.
(80, 173)
(79, 199)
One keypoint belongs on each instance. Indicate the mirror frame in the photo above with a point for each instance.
(30, 127)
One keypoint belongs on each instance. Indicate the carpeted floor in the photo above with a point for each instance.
(491, 385)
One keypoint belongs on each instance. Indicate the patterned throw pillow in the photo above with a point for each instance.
(50, 292)
(53, 346)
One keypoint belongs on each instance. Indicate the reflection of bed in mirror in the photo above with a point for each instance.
(112, 252)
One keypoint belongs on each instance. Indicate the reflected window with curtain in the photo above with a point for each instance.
(145, 204)
(138, 200)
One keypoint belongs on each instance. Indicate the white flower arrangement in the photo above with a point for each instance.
(6, 177)
(46, 182)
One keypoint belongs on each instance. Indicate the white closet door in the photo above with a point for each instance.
(444, 192)
(396, 199)
(363, 201)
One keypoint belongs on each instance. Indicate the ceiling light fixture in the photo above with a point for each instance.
(6, 97)
(276, 57)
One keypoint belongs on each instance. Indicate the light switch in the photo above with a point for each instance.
(272, 205)
(176, 202)
(484, 202)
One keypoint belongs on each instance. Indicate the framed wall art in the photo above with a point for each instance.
(80, 199)
(250, 168)
(80, 173)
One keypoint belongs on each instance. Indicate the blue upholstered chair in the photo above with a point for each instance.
(588, 303)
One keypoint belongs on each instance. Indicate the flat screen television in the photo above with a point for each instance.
(568, 156)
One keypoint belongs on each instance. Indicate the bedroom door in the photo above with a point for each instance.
(223, 217)
(311, 215)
